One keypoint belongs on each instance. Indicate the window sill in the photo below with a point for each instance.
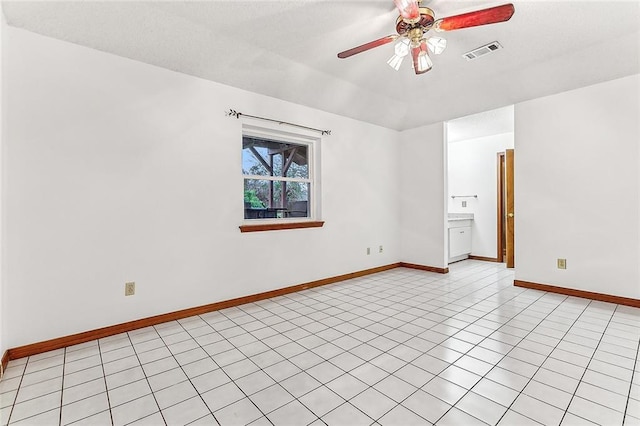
(280, 226)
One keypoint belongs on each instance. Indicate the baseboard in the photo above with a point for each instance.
(75, 339)
(579, 293)
(424, 268)
(485, 259)
(5, 362)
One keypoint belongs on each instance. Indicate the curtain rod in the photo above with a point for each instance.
(236, 114)
(464, 196)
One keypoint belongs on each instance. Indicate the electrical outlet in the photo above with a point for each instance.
(129, 288)
(368, 250)
(562, 263)
(464, 204)
(380, 249)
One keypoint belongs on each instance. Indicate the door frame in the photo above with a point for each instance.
(505, 220)
(500, 230)
(509, 201)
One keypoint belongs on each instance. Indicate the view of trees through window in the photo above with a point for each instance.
(276, 178)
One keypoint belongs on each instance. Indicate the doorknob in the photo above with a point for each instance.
(510, 215)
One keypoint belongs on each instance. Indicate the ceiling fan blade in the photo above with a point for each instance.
(492, 15)
(367, 46)
(408, 9)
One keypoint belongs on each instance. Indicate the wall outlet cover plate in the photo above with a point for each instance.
(129, 288)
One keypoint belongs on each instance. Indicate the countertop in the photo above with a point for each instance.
(460, 216)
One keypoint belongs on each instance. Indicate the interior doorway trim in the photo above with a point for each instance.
(509, 206)
(500, 229)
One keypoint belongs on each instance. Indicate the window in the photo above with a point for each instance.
(278, 177)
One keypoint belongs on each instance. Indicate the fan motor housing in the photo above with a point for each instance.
(425, 21)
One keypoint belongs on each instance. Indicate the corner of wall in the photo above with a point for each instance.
(422, 196)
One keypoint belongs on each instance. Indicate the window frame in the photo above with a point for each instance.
(312, 143)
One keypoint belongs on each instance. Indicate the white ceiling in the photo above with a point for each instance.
(287, 49)
(486, 123)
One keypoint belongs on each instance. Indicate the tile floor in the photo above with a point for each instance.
(402, 347)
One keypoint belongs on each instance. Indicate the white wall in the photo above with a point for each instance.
(422, 196)
(120, 171)
(472, 170)
(3, 26)
(577, 188)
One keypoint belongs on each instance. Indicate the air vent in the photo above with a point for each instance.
(482, 50)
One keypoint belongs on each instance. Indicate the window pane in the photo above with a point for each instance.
(299, 166)
(264, 199)
(298, 199)
(256, 193)
(251, 165)
(272, 158)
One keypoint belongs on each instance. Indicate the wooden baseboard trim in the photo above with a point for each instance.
(424, 268)
(485, 259)
(75, 339)
(579, 293)
(5, 362)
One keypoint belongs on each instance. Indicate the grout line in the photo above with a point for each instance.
(633, 373)
(104, 377)
(148, 384)
(64, 364)
(231, 380)
(466, 352)
(546, 358)
(26, 364)
(586, 368)
(437, 344)
(515, 296)
(305, 348)
(503, 357)
(453, 335)
(186, 375)
(275, 348)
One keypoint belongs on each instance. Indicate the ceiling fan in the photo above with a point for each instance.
(415, 21)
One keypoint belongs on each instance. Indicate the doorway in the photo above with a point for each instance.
(472, 190)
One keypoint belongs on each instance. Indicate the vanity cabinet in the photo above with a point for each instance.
(459, 236)
(459, 241)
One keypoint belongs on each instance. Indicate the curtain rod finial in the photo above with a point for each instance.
(232, 113)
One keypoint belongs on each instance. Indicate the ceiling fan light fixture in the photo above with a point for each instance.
(424, 62)
(395, 61)
(437, 45)
(401, 50)
(402, 47)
